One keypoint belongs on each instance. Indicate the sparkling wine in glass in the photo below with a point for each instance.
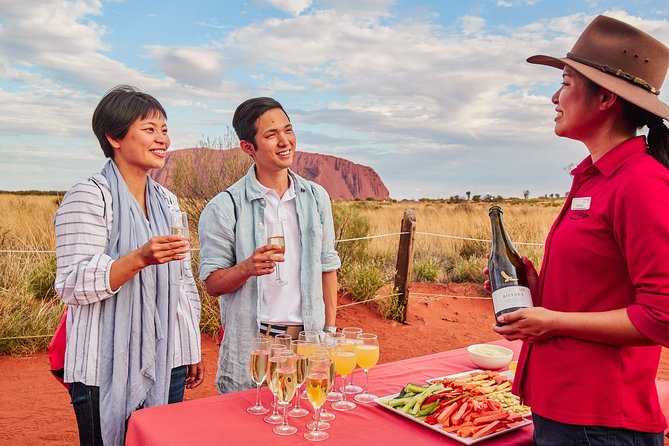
(317, 390)
(258, 368)
(333, 339)
(301, 366)
(311, 340)
(272, 375)
(285, 386)
(179, 226)
(351, 333)
(367, 355)
(325, 350)
(275, 236)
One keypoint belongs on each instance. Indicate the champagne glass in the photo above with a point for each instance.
(332, 339)
(317, 383)
(351, 333)
(282, 339)
(179, 226)
(311, 340)
(301, 365)
(258, 366)
(326, 350)
(286, 383)
(367, 355)
(272, 371)
(344, 359)
(275, 236)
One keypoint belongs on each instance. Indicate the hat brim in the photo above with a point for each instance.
(623, 88)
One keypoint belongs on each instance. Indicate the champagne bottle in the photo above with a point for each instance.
(508, 278)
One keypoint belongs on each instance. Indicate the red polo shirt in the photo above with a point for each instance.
(608, 249)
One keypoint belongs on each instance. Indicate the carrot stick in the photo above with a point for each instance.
(492, 427)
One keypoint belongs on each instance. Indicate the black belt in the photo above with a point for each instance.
(273, 329)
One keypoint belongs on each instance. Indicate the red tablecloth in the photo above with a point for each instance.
(223, 419)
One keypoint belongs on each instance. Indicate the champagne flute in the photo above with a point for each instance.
(317, 383)
(282, 339)
(367, 355)
(258, 366)
(301, 365)
(311, 340)
(326, 350)
(275, 236)
(332, 339)
(179, 226)
(286, 382)
(272, 370)
(344, 359)
(351, 333)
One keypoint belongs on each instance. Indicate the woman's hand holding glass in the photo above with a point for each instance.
(317, 389)
(179, 226)
(367, 355)
(258, 366)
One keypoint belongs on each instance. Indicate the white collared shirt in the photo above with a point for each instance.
(282, 305)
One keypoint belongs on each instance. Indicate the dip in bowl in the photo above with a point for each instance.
(489, 356)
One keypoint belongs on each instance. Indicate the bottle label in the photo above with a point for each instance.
(511, 297)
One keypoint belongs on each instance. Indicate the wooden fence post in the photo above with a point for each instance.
(405, 261)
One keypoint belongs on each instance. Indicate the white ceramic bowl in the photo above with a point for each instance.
(489, 356)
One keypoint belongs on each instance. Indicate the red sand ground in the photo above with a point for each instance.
(35, 409)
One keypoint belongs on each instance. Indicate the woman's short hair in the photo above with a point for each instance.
(248, 112)
(116, 112)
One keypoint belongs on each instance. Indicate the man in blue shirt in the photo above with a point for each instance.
(237, 262)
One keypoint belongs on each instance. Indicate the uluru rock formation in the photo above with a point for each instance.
(343, 179)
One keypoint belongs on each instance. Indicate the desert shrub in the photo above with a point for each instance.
(467, 270)
(350, 222)
(362, 279)
(26, 324)
(426, 270)
(473, 248)
(391, 308)
(42, 277)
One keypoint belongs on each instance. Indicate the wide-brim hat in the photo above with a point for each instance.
(620, 58)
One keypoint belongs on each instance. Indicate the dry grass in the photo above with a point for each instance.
(527, 221)
(26, 223)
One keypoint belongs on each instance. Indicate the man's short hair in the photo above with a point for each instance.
(248, 112)
(116, 112)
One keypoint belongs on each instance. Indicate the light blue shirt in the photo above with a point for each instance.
(224, 240)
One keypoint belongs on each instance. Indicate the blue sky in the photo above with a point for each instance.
(436, 96)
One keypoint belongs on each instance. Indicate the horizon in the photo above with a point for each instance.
(436, 97)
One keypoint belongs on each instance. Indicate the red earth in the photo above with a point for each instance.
(35, 409)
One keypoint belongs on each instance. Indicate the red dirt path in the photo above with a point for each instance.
(35, 409)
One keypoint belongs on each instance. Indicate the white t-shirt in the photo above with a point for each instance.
(282, 305)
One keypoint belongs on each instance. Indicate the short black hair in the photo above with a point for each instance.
(117, 110)
(248, 112)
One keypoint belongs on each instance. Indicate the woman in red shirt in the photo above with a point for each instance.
(592, 342)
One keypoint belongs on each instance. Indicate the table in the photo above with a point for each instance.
(223, 419)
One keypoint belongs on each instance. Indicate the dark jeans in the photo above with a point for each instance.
(552, 433)
(86, 404)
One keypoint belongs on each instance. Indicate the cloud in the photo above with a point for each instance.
(199, 67)
(294, 7)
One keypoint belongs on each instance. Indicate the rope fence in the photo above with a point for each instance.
(369, 237)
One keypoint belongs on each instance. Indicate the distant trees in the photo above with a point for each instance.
(526, 194)
(469, 194)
